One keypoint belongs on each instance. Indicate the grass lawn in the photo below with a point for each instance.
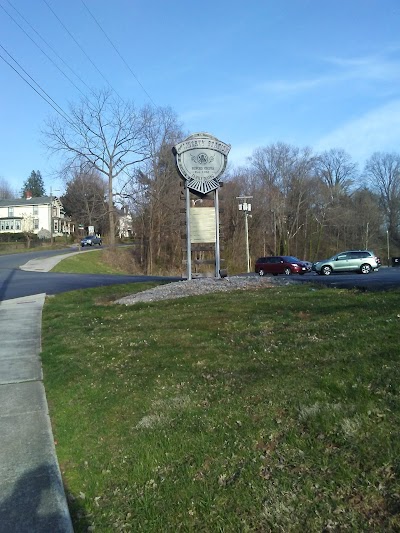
(88, 262)
(271, 410)
(11, 248)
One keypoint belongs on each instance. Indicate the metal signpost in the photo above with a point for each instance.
(201, 159)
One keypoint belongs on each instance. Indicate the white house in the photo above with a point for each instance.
(124, 222)
(34, 215)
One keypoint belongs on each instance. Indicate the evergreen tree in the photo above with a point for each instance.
(34, 184)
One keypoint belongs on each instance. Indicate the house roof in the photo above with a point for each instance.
(16, 202)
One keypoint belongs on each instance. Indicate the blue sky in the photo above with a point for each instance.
(317, 73)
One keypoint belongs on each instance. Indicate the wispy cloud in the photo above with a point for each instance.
(377, 130)
(285, 87)
(240, 153)
(374, 68)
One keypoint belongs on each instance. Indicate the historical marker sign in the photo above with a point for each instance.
(201, 159)
(202, 225)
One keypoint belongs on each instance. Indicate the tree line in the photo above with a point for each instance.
(118, 157)
(313, 205)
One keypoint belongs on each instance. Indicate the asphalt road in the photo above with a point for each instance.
(15, 283)
(384, 279)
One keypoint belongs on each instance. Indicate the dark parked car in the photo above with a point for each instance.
(282, 264)
(90, 240)
(363, 261)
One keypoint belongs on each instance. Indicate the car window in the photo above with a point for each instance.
(341, 257)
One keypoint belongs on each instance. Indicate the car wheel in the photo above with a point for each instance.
(287, 271)
(365, 269)
(100, 243)
(326, 270)
(261, 272)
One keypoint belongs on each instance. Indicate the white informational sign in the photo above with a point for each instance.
(91, 230)
(202, 225)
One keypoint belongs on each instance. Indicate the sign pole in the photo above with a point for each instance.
(217, 253)
(188, 239)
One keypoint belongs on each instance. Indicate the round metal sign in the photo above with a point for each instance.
(201, 159)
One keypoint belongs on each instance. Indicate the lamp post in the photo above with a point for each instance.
(245, 206)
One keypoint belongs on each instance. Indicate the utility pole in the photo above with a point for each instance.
(388, 247)
(245, 206)
(51, 217)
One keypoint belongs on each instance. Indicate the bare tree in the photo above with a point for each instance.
(108, 134)
(233, 234)
(6, 192)
(27, 225)
(337, 171)
(153, 194)
(282, 174)
(85, 199)
(382, 171)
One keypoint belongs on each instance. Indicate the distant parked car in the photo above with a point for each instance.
(363, 261)
(282, 264)
(90, 240)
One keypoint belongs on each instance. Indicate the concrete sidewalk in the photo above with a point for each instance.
(32, 498)
(45, 264)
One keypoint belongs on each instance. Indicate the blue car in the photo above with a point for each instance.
(90, 240)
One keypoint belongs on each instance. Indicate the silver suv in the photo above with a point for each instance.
(363, 261)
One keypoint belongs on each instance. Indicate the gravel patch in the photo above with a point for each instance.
(196, 287)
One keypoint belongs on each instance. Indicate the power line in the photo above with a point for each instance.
(56, 107)
(80, 47)
(49, 46)
(117, 51)
(41, 49)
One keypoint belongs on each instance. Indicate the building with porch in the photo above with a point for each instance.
(43, 215)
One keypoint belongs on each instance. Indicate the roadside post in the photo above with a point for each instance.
(80, 228)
